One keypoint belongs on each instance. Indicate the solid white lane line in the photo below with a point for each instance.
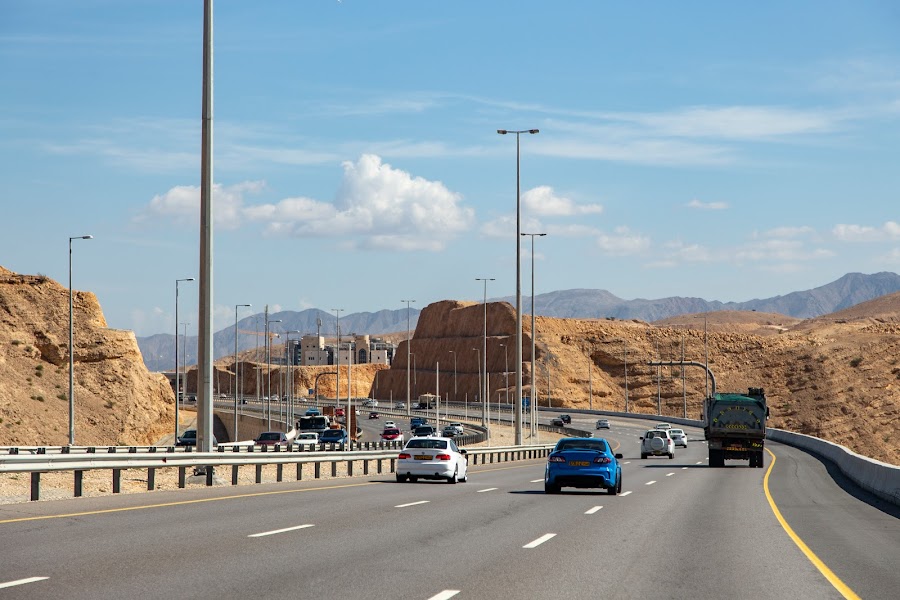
(669, 474)
(650, 483)
(624, 493)
(537, 480)
(444, 595)
(540, 540)
(492, 489)
(265, 533)
(412, 503)
(592, 510)
(21, 581)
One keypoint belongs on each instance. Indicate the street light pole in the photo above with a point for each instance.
(591, 378)
(484, 345)
(455, 399)
(269, 371)
(626, 375)
(518, 288)
(506, 369)
(177, 384)
(408, 343)
(72, 345)
(237, 369)
(184, 358)
(533, 335)
(337, 359)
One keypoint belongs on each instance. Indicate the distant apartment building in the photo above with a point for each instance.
(313, 350)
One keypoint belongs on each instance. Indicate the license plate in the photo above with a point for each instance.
(578, 463)
(422, 457)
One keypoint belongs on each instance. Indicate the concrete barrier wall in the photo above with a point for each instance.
(877, 477)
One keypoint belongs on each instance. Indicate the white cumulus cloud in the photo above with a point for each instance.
(543, 201)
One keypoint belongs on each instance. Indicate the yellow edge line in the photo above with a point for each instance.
(833, 579)
(184, 502)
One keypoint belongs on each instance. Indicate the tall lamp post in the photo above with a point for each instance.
(455, 399)
(483, 390)
(177, 385)
(269, 371)
(518, 287)
(506, 369)
(72, 345)
(184, 327)
(533, 335)
(408, 343)
(237, 370)
(337, 359)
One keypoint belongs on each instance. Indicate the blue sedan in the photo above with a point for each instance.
(583, 463)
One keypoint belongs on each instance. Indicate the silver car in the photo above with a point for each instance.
(679, 437)
(657, 442)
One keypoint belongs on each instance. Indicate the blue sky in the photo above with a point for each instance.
(727, 151)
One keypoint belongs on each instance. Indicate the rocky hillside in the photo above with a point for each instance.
(836, 378)
(117, 401)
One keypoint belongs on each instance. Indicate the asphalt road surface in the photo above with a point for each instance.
(679, 530)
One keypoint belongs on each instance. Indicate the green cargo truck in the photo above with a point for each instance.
(735, 427)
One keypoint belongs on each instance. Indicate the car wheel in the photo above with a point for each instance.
(401, 478)
(619, 484)
(643, 456)
(550, 488)
(413, 479)
(612, 491)
(671, 455)
(453, 478)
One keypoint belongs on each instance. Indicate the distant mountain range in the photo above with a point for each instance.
(849, 290)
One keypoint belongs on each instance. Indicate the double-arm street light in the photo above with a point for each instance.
(483, 390)
(533, 335)
(269, 371)
(72, 346)
(518, 287)
(408, 352)
(177, 384)
(237, 369)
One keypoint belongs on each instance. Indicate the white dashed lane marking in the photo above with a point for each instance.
(412, 503)
(624, 493)
(650, 483)
(492, 489)
(285, 530)
(540, 540)
(8, 584)
(591, 511)
(669, 474)
(536, 480)
(444, 595)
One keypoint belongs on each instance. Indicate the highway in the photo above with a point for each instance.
(678, 530)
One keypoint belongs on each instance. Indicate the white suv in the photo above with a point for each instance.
(657, 442)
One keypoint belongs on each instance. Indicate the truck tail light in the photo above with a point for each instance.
(557, 459)
(404, 456)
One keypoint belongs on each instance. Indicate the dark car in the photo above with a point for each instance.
(566, 419)
(374, 415)
(424, 430)
(189, 438)
(583, 463)
(557, 422)
(334, 436)
(271, 438)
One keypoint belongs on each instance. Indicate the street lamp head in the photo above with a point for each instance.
(87, 237)
(502, 131)
(533, 130)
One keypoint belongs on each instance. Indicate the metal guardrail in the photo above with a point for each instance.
(204, 463)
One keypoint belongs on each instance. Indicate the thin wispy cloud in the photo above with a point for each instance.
(889, 230)
(707, 205)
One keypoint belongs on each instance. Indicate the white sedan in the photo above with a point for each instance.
(389, 424)
(432, 457)
(679, 437)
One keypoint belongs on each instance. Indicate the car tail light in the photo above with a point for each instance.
(404, 456)
(556, 459)
(442, 457)
(603, 460)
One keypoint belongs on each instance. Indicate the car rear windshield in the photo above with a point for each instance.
(438, 444)
(585, 444)
(391, 432)
(270, 436)
(676, 432)
(659, 434)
